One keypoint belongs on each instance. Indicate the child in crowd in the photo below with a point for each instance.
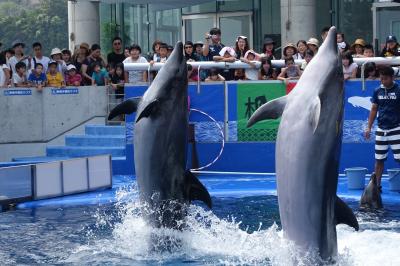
(240, 74)
(370, 71)
(227, 54)
(191, 74)
(291, 71)
(100, 75)
(54, 78)
(117, 81)
(19, 78)
(349, 67)
(67, 56)
(162, 57)
(56, 56)
(307, 58)
(37, 78)
(214, 76)
(368, 50)
(249, 56)
(266, 71)
(73, 78)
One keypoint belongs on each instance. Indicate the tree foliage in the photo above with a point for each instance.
(45, 21)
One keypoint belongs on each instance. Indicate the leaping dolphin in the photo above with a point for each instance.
(160, 144)
(308, 151)
(371, 197)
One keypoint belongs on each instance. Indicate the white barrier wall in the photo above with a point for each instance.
(31, 116)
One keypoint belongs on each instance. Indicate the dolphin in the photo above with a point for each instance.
(307, 155)
(160, 145)
(371, 197)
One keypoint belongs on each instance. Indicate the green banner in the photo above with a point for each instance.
(249, 98)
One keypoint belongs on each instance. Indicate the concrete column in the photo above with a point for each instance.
(298, 20)
(83, 23)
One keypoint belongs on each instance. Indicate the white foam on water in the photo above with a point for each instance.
(208, 239)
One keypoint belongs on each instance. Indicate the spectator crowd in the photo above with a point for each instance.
(86, 66)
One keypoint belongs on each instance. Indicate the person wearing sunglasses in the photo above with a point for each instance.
(190, 55)
(117, 55)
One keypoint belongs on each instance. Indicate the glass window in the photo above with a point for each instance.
(235, 5)
(233, 26)
(210, 7)
(195, 29)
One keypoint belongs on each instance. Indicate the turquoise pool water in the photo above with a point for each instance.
(106, 228)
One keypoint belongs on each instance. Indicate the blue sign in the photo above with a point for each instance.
(17, 92)
(64, 91)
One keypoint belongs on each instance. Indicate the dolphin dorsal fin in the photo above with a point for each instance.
(127, 107)
(344, 215)
(149, 109)
(269, 110)
(195, 190)
(315, 111)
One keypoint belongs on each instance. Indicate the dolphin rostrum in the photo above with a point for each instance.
(308, 151)
(371, 197)
(160, 144)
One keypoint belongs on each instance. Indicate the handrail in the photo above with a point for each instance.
(239, 64)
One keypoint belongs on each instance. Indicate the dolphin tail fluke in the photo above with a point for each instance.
(269, 110)
(127, 107)
(149, 109)
(344, 215)
(195, 190)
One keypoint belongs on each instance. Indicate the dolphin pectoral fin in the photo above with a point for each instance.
(344, 215)
(315, 111)
(149, 109)
(195, 190)
(269, 110)
(127, 107)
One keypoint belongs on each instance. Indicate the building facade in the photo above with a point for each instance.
(283, 20)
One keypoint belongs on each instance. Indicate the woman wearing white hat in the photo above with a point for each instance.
(313, 45)
(56, 55)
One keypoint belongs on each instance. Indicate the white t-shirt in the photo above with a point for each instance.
(135, 75)
(17, 79)
(251, 73)
(13, 61)
(3, 75)
(347, 71)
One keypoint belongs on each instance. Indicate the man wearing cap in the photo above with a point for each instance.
(38, 57)
(18, 47)
(392, 48)
(117, 55)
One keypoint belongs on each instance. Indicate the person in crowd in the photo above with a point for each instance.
(190, 55)
(54, 77)
(268, 48)
(18, 48)
(9, 53)
(349, 67)
(290, 71)
(249, 57)
(156, 51)
(117, 81)
(392, 47)
(357, 48)
(5, 73)
(227, 54)
(89, 64)
(368, 51)
(19, 76)
(214, 76)
(37, 78)
(80, 56)
(340, 37)
(266, 71)
(73, 78)
(289, 50)
(162, 57)
(117, 55)
(126, 52)
(198, 47)
(38, 56)
(307, 58)
(241, 46)
(240, 74)
(343, 47)
(301, 50)
(99, 75)
(313, 45)
(170, 48)
(192, 74)
(386, 104)
(135, 76)
(324, 32)
(67, 56)
(370, 71)
(212, 46)
(56, 55)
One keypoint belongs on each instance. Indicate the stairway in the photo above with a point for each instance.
(97, 140)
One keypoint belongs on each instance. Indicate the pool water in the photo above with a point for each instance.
(239, 230)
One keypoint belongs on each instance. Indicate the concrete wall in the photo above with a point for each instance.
(42, 116)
